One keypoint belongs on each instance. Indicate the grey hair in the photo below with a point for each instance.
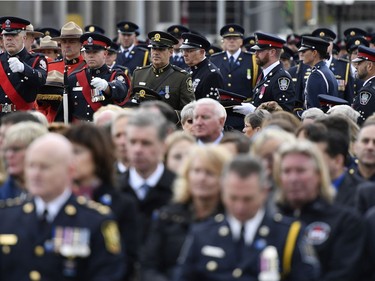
(187, 111)
(219, 109)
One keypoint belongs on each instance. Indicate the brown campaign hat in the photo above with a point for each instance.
(54, 87)
(47, 44)
(30, 30)
(69, 30)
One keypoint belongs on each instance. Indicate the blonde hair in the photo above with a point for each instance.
(175, 137)
(24, 133)
(213, 157)
(307, 148)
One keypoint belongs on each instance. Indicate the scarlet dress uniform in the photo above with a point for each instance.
(83, 100)
(18, 89)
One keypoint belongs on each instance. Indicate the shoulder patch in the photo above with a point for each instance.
(364, 97)
(189, 84)
(283, 83)
(317, 233)
(43, 64)
(111, 236)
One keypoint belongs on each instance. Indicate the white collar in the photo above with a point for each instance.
(136, 181)
(267, 70)
(129, 49)
(121, 167)
(53, 207)
(328, 62)
(235, 55)
(251, 226)
(368, 80)
(217, 141)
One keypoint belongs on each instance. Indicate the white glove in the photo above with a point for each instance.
(244, 108)
(99, 83)
(15, 65)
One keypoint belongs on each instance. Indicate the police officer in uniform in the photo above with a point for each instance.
(72, 59)
(274, 83)
(206, 76)
(96, 85)
(239, 69)
(172, 83)
(247, 243)
(321, 80)
(54, 235)
(21, 73)
(364, 102)
(130, 55)
(339, 67)
(177, 58)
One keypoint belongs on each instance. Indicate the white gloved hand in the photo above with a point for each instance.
(15, 65)
(99, 83)
(244, 108)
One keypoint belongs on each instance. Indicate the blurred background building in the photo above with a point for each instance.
(206, 17)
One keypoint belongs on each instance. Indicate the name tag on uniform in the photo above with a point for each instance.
(142, 83)
(77, 89)
(212, 251)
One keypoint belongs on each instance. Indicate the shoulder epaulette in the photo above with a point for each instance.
(93, 205)
(11, 202)
(179, 69)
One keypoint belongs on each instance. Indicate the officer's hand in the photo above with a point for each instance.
(99, 83)
(15, 65)
(244, 108)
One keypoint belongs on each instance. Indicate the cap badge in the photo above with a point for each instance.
(126, 26)
(211, 51)
(92, 29)
(321, 34)
(142, 93)
(352, 33)
(357, 42)
(47, 33)
(157, 37)
(7, 23)
(252, 42)
(90, 41)
(292, 38)
(231, 29)
(186, 40)
(176, 30)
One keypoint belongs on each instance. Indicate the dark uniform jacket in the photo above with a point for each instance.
(167, 236)
(210, 252)
(10, 189)
(178, 61)
(173, 84)
(157, 197)
(365, 196)
(82, 243)
(276, 86)
(206, 79)
(125, 212)
(18, 90)
(81, 107)
(320, 82)
(368, 273)
(342, 73)
(242, 76)
(300, 73)
(138, 56)
(347, 189)
(337, 234)
(364, 101)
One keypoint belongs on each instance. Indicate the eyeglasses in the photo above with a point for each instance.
(190, 121)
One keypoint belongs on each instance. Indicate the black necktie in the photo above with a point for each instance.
(241, 243)
(43, 221)
(231, 61)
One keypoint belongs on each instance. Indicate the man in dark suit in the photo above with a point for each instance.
(55, 235)
(131, 55)
(248, 243)
(147, 180)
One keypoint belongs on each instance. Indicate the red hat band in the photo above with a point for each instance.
(272, 43)
(366, 56)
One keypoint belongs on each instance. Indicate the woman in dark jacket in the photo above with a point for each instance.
(196, 197)
(94, 178)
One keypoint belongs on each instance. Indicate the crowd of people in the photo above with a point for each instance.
(169, 162)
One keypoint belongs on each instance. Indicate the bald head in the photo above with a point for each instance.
(49, 166)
